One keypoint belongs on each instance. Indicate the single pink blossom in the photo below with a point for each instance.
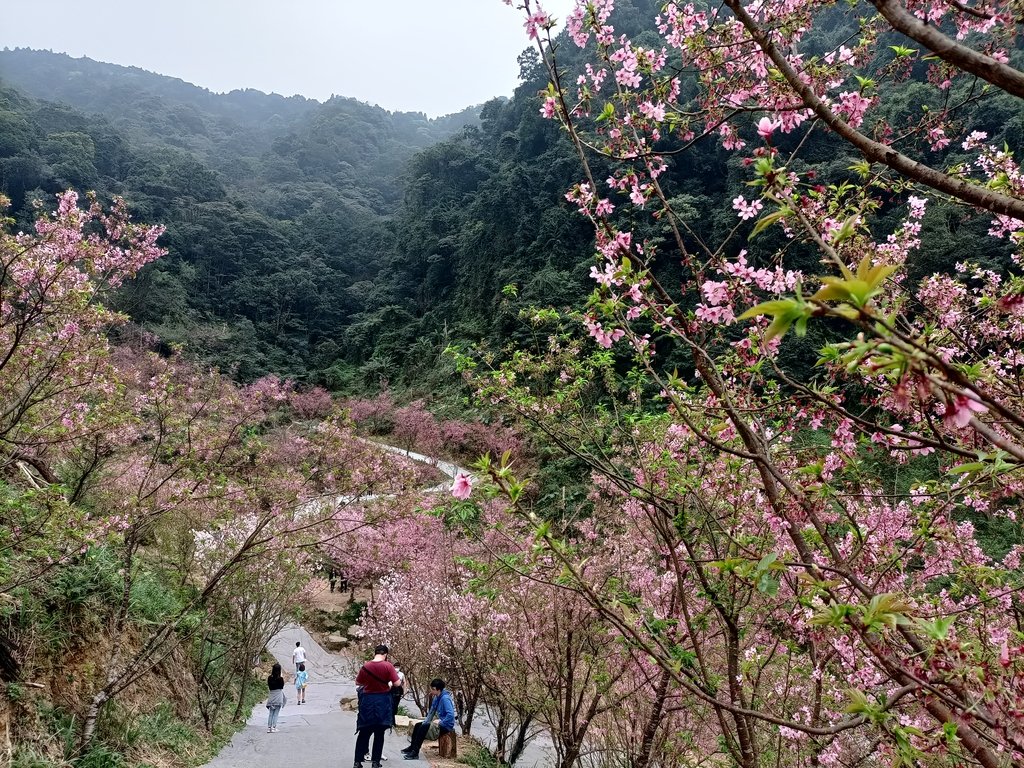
(462, 487)
(766, 127)
(960, 411)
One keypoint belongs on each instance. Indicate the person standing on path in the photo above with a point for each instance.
(443, 709)
(298, 655)
(275, 699)
(373, 684)
(397, 691)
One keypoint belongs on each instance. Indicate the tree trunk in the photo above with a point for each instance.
(643, 758)
(519, 746)
(89, 722)
(470, 709)
(242, 689)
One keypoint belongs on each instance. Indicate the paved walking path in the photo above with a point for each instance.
(318, 734)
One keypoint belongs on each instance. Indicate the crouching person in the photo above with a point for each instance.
(443, 709)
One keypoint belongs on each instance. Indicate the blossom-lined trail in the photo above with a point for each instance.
(321, 734)
(317, 733)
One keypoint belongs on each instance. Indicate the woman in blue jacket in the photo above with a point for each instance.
(443, 709)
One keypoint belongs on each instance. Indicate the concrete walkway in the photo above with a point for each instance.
(318, 734)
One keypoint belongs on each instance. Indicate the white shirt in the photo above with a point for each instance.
(299, 655)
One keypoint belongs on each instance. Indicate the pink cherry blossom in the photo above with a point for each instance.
(961, 410)
(462, 486)
(766, 127)
(747, 210)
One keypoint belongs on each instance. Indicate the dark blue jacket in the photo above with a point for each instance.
(375, 711)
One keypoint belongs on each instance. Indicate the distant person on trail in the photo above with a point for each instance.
(301, 678)
(397, 691)
(443, 709)
(275, 699)
(298, 655)
(374, 682)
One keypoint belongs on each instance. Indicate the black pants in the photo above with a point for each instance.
(363, 742)
(396, 698)
(419, 733)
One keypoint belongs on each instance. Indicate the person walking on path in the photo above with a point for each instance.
(276, 699)
(373, 684)
(443, 709)
(298, 655)
(301, 678)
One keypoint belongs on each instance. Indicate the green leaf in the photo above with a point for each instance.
(766, 221)
(962, 469)
(784, 311)
(767, 585)
(767, 561)
(937, 629)
(902, 51)
(846, 231)
(861, 168)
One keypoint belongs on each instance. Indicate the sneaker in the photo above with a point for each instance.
(412, 756)
(270, 730)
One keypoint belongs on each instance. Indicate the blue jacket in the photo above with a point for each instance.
(375, 711)
(444, 710)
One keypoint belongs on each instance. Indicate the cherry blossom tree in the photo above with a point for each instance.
(798, 551)
(56, 377)
(228, 492)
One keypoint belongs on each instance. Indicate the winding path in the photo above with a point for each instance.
(319, 734)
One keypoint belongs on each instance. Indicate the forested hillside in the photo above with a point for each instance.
(344, 245)
(275, 208)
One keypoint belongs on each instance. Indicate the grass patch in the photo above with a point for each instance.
(162, 730)
(27, 757)
(476, 756)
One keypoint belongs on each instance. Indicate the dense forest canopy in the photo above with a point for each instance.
(344, 245)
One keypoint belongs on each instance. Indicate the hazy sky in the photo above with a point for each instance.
(433, 56)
